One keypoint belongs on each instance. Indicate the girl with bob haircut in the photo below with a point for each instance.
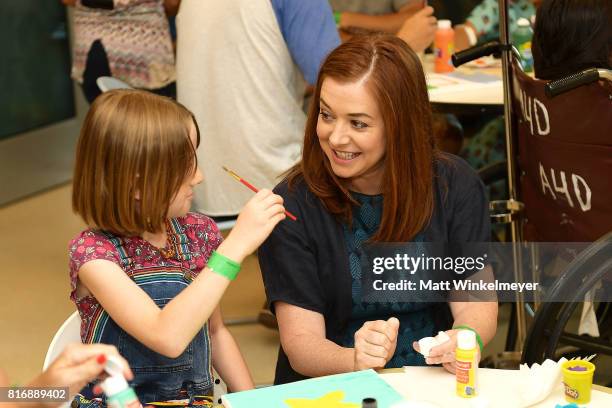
(369, 173)
(147, 276)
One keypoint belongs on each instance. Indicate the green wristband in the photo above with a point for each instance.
(478, 339)
(337, 16)
(223, 266)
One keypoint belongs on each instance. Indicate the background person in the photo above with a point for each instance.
(243, 66)
(126, 39)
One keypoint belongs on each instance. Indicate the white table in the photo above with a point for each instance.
(436, 386)
(465, 96)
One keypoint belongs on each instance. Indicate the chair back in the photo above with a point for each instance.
(69, 332)
(106, 83)
(565, 158)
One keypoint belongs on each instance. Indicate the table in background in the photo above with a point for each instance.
(485, 99)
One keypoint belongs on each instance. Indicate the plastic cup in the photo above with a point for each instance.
(577, 380)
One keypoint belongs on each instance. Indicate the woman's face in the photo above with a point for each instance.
(181, 203)
(352, 135)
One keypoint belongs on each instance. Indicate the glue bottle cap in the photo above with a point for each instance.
(114, 385)
(466, 340)
(444, 24)
(523, 22)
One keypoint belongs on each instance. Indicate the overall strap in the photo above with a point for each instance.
(176, 235)
(117, 242)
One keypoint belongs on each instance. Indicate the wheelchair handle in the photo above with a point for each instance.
(462, 57)
(489, 48)
(584, 77)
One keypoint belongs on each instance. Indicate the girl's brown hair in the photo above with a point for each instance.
(394, 75)
(133, 154)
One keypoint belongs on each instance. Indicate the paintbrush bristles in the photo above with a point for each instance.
(234, 175)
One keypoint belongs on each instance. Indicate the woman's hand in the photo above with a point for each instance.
(375, 343)
(444, 353)
(255, 222)
(77, 365)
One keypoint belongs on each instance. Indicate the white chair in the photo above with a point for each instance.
(106, 83)
(70, 332)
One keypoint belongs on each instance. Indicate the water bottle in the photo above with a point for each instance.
(521, 38)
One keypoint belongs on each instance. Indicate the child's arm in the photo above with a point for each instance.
(226, 356)
(168, 331)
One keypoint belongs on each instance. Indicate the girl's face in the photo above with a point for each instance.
(181, 203)
(352, 135)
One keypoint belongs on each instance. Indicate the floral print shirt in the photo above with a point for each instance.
(485, 16)
(202, 237)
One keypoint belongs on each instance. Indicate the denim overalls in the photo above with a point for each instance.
(159, 378)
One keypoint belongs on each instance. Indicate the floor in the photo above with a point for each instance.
(34, 290)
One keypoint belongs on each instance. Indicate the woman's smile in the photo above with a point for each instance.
(351, 134)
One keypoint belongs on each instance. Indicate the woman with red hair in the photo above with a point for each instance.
(369, 173)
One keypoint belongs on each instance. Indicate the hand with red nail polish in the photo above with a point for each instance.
(77, 365)
(101, 359)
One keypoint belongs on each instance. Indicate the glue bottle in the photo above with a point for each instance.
(466, 363)
(118, 393)
(444, 44)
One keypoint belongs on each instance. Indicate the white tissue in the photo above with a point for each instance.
(427, 343)
(538, 381)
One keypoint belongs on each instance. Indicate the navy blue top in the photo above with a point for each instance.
(306, 263)
(304, 23)
(416, 319)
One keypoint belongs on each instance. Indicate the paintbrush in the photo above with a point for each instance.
(253, 188)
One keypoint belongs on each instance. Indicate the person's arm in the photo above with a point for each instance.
(226, 356)
(168, 331)
(480, 316)
(466, 36)
(419, 30)
(482, 20)
(302, 331)
(390, 23)
(470, 225)
(309, 31)
(73, 368)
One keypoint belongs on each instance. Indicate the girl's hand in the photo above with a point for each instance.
(444, 353)
(255, 222)
(77, 365)
(375, 343)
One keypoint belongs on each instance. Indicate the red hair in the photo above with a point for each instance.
(395, 77)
